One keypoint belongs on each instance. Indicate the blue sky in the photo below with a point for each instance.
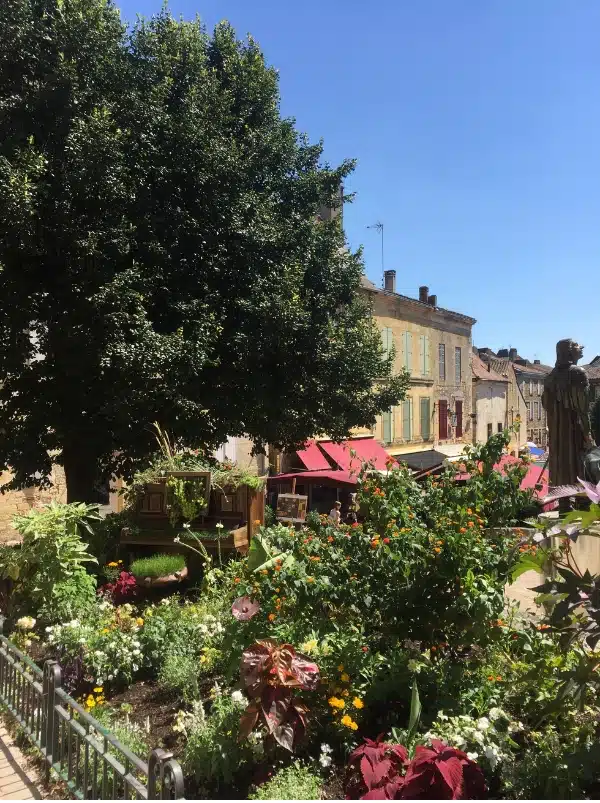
(476, 126)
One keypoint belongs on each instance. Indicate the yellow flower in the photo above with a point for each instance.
(98, 689)
(354, 726)
(113, 564)
(105, 630)
(139, 621)
(345, 693)
(310, 579)
(358, 703)
(148, 612)
(203, 659)
(309, 646)
(344, 677)
(349, 722)
(336, 702)
(341, 668)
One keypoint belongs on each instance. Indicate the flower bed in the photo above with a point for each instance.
(378, 660)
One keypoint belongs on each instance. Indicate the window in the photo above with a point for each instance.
(388, 421)
(425, 414)
(424, 356)
(500, 427)
(387, 338)
(407, 337)
(529, 413)
(530, 388)
(539, 411)
(407, 419)
(443, 419)
(490, 430)
(540, 389)
(458, 365)
(442, 360)
(458, 406)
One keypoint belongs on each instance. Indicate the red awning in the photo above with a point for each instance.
(367, 449)
(312, 457)
(342, 477)
(530, 480)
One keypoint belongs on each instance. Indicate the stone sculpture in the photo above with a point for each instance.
(566, 401)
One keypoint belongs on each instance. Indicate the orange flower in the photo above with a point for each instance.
(471, 524)
(386, 540)
(237, 580)
(462, 530)
(469, 511)
(437, 550)
(490, 677)
(310, 579)
(331, 539)
(271, 617)
(499, 677)
(315, 558)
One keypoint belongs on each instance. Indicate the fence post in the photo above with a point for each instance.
(52, 681)
(169, 773)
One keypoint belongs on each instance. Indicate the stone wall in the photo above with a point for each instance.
(19, 502)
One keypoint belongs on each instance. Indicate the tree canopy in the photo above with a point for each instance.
(160, 258)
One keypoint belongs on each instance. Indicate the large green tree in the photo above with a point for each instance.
(159, 255)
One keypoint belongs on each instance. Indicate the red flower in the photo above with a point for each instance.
(365, 649)
(386, 540)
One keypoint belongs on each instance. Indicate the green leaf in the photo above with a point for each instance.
(415, 709)
(258, 553)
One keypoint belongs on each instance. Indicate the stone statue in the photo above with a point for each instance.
(566, 401)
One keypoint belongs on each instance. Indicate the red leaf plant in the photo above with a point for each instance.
(437, 773)
(123, 589)
(270, 673)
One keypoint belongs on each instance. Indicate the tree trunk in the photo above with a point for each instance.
(81, 474)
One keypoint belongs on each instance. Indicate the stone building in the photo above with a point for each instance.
(497, 399)
(434, 345)
(593, 374)
(14, 503)
(530, 378)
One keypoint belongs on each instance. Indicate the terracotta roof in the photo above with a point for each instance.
(532, 368)
(592, 370)
(480, 371)
(366, 284)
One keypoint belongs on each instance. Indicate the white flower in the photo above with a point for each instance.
(473, 756)
(483, 724)
(49, 629)
(73, 623)
(495, 713)
(28, 642)
(491, 753)
(442, 716)
(220, 525)
(110, 677)
(186, 525)
(458, 740)
(324, 760)
(414, 666)
(325, 748)
(26, 623)
(478, 737)
(177, 540)
(238, 697)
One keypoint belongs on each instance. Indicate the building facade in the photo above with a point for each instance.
(490, 400)
(530, 379)
(434, 345)
(593, 374)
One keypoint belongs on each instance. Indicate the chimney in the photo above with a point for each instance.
(536, 362)
(432, 301)
(512, 354)
(390, 280)
(423, 294)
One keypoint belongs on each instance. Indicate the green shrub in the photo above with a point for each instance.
(157, 566)
(213, 753)
(53, 553)
(72, 598)
(296, 782)
(179, 674)
(104, 540)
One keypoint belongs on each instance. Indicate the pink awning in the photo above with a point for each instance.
(367, 449)
(341, 477)
(530, 480)
(312, 457)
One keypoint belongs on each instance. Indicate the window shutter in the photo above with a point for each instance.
(443, 419)
(387, 426)
(422, 354)
(427, 358)
(406, 419)
(425, 416)
(442, 360)
(387, 339)
(408, 351)
(459, 418)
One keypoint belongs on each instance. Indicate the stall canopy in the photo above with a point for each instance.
(367, 449)
(533, 477)
(342, 477)
(422, 461)
(312, 457)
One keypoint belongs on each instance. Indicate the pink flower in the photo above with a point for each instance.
(592, 491)
(244, 609)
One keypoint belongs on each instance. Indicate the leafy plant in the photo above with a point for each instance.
(157, 566)
(442, 773)
(186, 498)
(123, 589)
(179, 674)
(50, 564)
(295, 782)
(378, 770)
(270, 672)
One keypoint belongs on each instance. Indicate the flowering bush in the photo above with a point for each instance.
(108, 645)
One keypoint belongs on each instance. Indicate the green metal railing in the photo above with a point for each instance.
(89, 759)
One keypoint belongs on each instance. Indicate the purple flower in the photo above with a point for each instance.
(244, 609)
(592, 491)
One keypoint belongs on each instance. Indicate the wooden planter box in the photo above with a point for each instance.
(237, 510)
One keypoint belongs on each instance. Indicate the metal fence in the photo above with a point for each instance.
(89, 759)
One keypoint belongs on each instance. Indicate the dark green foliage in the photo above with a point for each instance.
(595, 421)
(158, 240)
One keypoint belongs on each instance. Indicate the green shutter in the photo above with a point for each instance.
(387, 426)
(408, 351)
(425, 419)
(427, 361)
(407, 419)
(387, 339)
